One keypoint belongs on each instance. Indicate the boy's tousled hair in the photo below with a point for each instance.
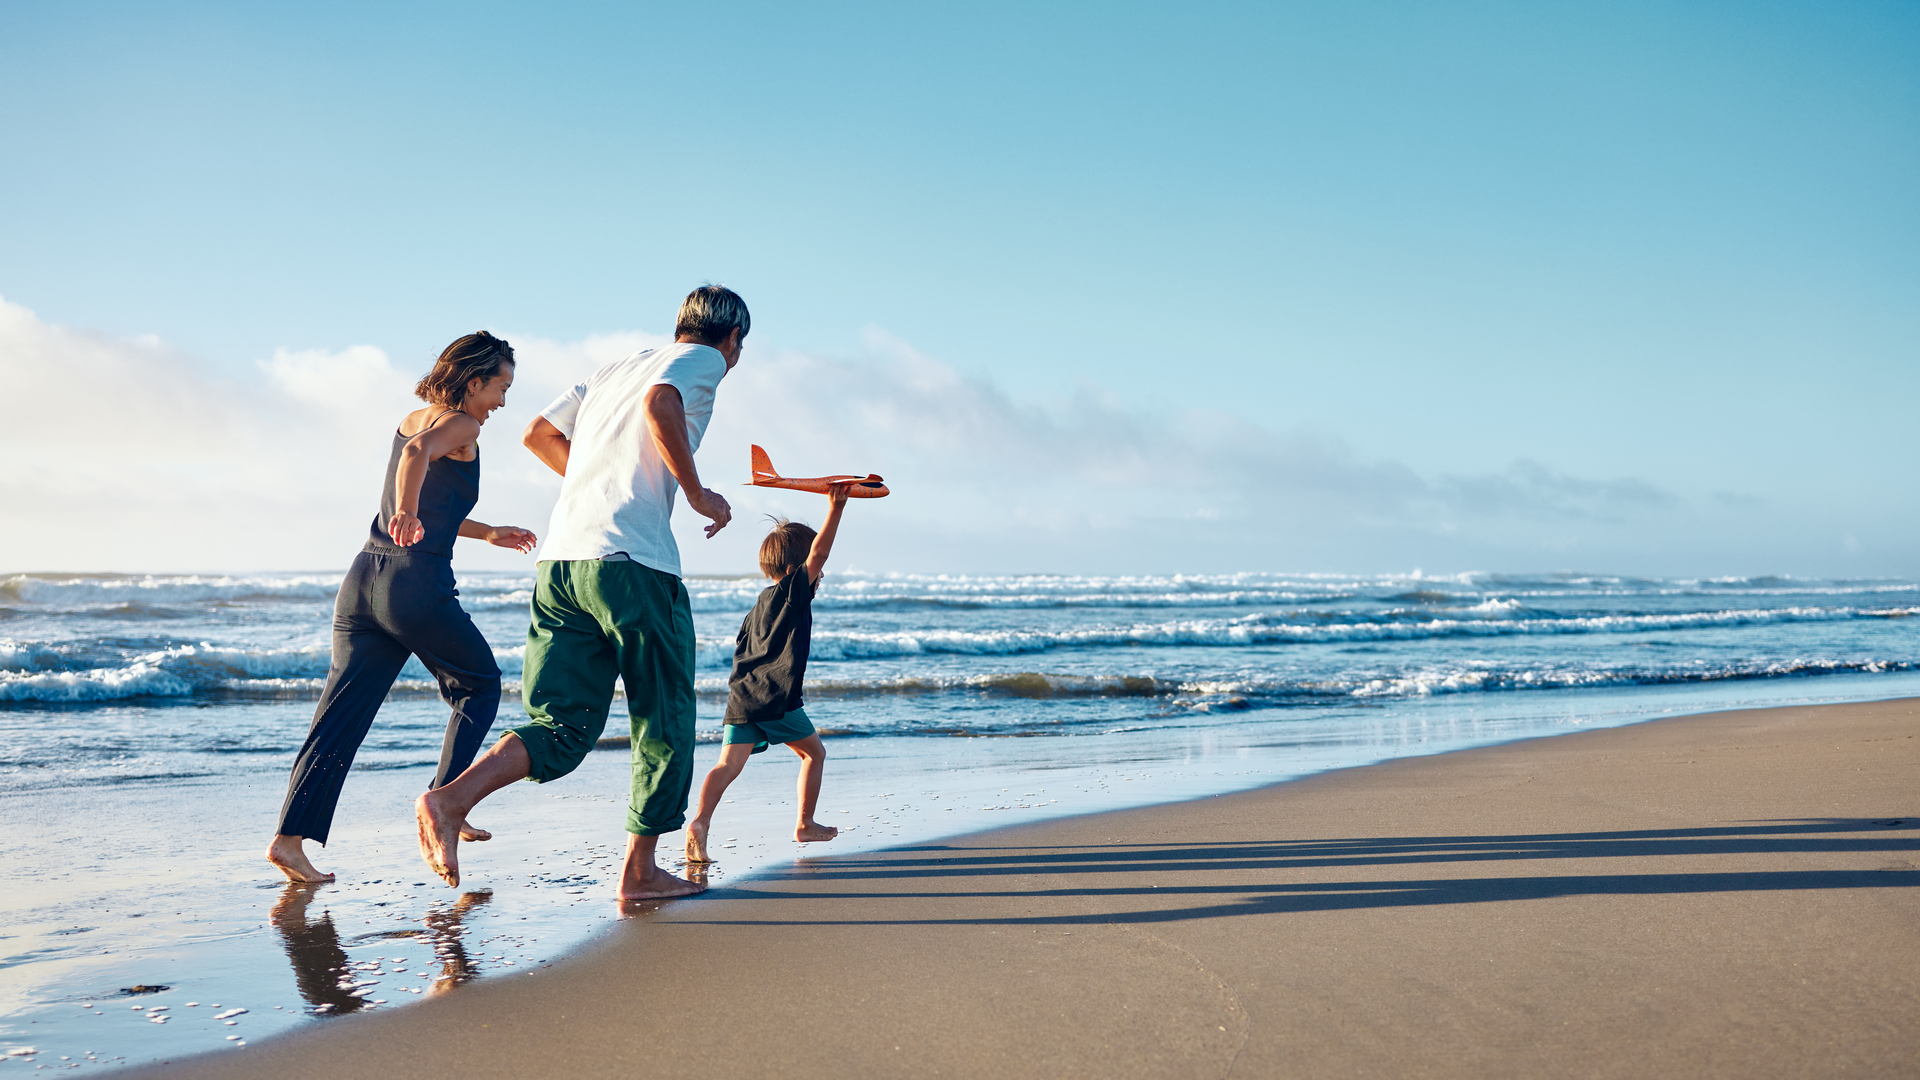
(786, 546)
(476, 356)
(710, 313)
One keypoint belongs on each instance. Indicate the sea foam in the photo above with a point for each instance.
(98, 684)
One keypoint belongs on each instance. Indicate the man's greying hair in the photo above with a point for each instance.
(710, 313)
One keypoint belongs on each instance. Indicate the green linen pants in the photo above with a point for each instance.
(595, 621)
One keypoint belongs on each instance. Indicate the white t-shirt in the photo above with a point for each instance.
(618, 494)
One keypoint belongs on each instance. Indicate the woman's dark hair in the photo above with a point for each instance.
(476, 356)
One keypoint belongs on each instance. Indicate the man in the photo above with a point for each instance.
(608, 602)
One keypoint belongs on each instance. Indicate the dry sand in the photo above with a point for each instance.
(1725, 895)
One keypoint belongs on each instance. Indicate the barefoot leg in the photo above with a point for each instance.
(288, 854)
(640, 879)
(733, 758)
(813, 768)
(440, 813)
(439, 830)
(473, 834)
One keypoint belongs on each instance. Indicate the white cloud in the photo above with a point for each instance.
(982, 481)
(344, 381)
(125, 454)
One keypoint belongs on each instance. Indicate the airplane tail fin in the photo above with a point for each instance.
(763, 466)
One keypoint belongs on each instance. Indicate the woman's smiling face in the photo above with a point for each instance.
(483, 397)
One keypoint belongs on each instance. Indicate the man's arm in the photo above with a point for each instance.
(547, 444)
(667, 420)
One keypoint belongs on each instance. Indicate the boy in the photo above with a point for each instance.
(769, 664)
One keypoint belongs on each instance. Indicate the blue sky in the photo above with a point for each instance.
(1672, 246)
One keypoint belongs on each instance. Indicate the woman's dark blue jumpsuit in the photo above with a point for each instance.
(398, 601)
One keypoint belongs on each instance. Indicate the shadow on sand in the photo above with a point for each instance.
(1888, 851)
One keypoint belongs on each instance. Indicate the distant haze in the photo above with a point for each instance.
(169, 468)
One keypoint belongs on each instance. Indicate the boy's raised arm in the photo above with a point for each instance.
(823, 540)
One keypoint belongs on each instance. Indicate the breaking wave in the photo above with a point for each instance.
(1255, 690)
(1494, 618)
(97, 684)
(38, 672)
(105, 637)
(69, 592)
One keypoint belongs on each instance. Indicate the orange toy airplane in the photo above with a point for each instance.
(858, 487)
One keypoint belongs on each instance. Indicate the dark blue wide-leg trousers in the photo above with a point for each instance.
(391, 607)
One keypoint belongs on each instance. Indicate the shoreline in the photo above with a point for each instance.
(1466, 913)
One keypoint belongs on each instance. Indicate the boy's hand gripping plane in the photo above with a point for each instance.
(858, 487)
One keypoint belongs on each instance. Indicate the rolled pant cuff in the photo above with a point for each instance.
(547, 756)
(639, 828)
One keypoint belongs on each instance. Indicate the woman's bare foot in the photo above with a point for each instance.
(697, 842)
(289, 854)
(808, 832)
(439, 837)
(473, 833)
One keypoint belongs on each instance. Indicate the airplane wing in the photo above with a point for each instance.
(869, 486)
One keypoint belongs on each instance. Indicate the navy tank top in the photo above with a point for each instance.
(447, 496)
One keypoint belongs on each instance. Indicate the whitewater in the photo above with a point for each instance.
(997, 643)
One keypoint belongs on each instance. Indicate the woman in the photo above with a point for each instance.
(398, 599)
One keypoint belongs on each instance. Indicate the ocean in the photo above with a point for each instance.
(147, 724)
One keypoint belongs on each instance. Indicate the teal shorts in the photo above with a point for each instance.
(790, 728)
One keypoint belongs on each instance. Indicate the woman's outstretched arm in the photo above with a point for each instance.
(506, 536)
(444, 437)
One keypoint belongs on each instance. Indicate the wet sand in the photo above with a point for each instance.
(1724, 895)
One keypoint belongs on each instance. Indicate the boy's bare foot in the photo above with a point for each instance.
(697, 842)
(657, 885)
(439, 838)
(813, 831)
(473, 833)
(289, 854)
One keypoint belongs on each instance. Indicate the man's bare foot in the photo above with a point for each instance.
(697, 842)
(812, 831)
(657, 885)
(289, 854)
(439, 837)
(473, 833)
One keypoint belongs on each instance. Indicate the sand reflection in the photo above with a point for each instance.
(332, 984)
(445, 928)
(320, 965)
